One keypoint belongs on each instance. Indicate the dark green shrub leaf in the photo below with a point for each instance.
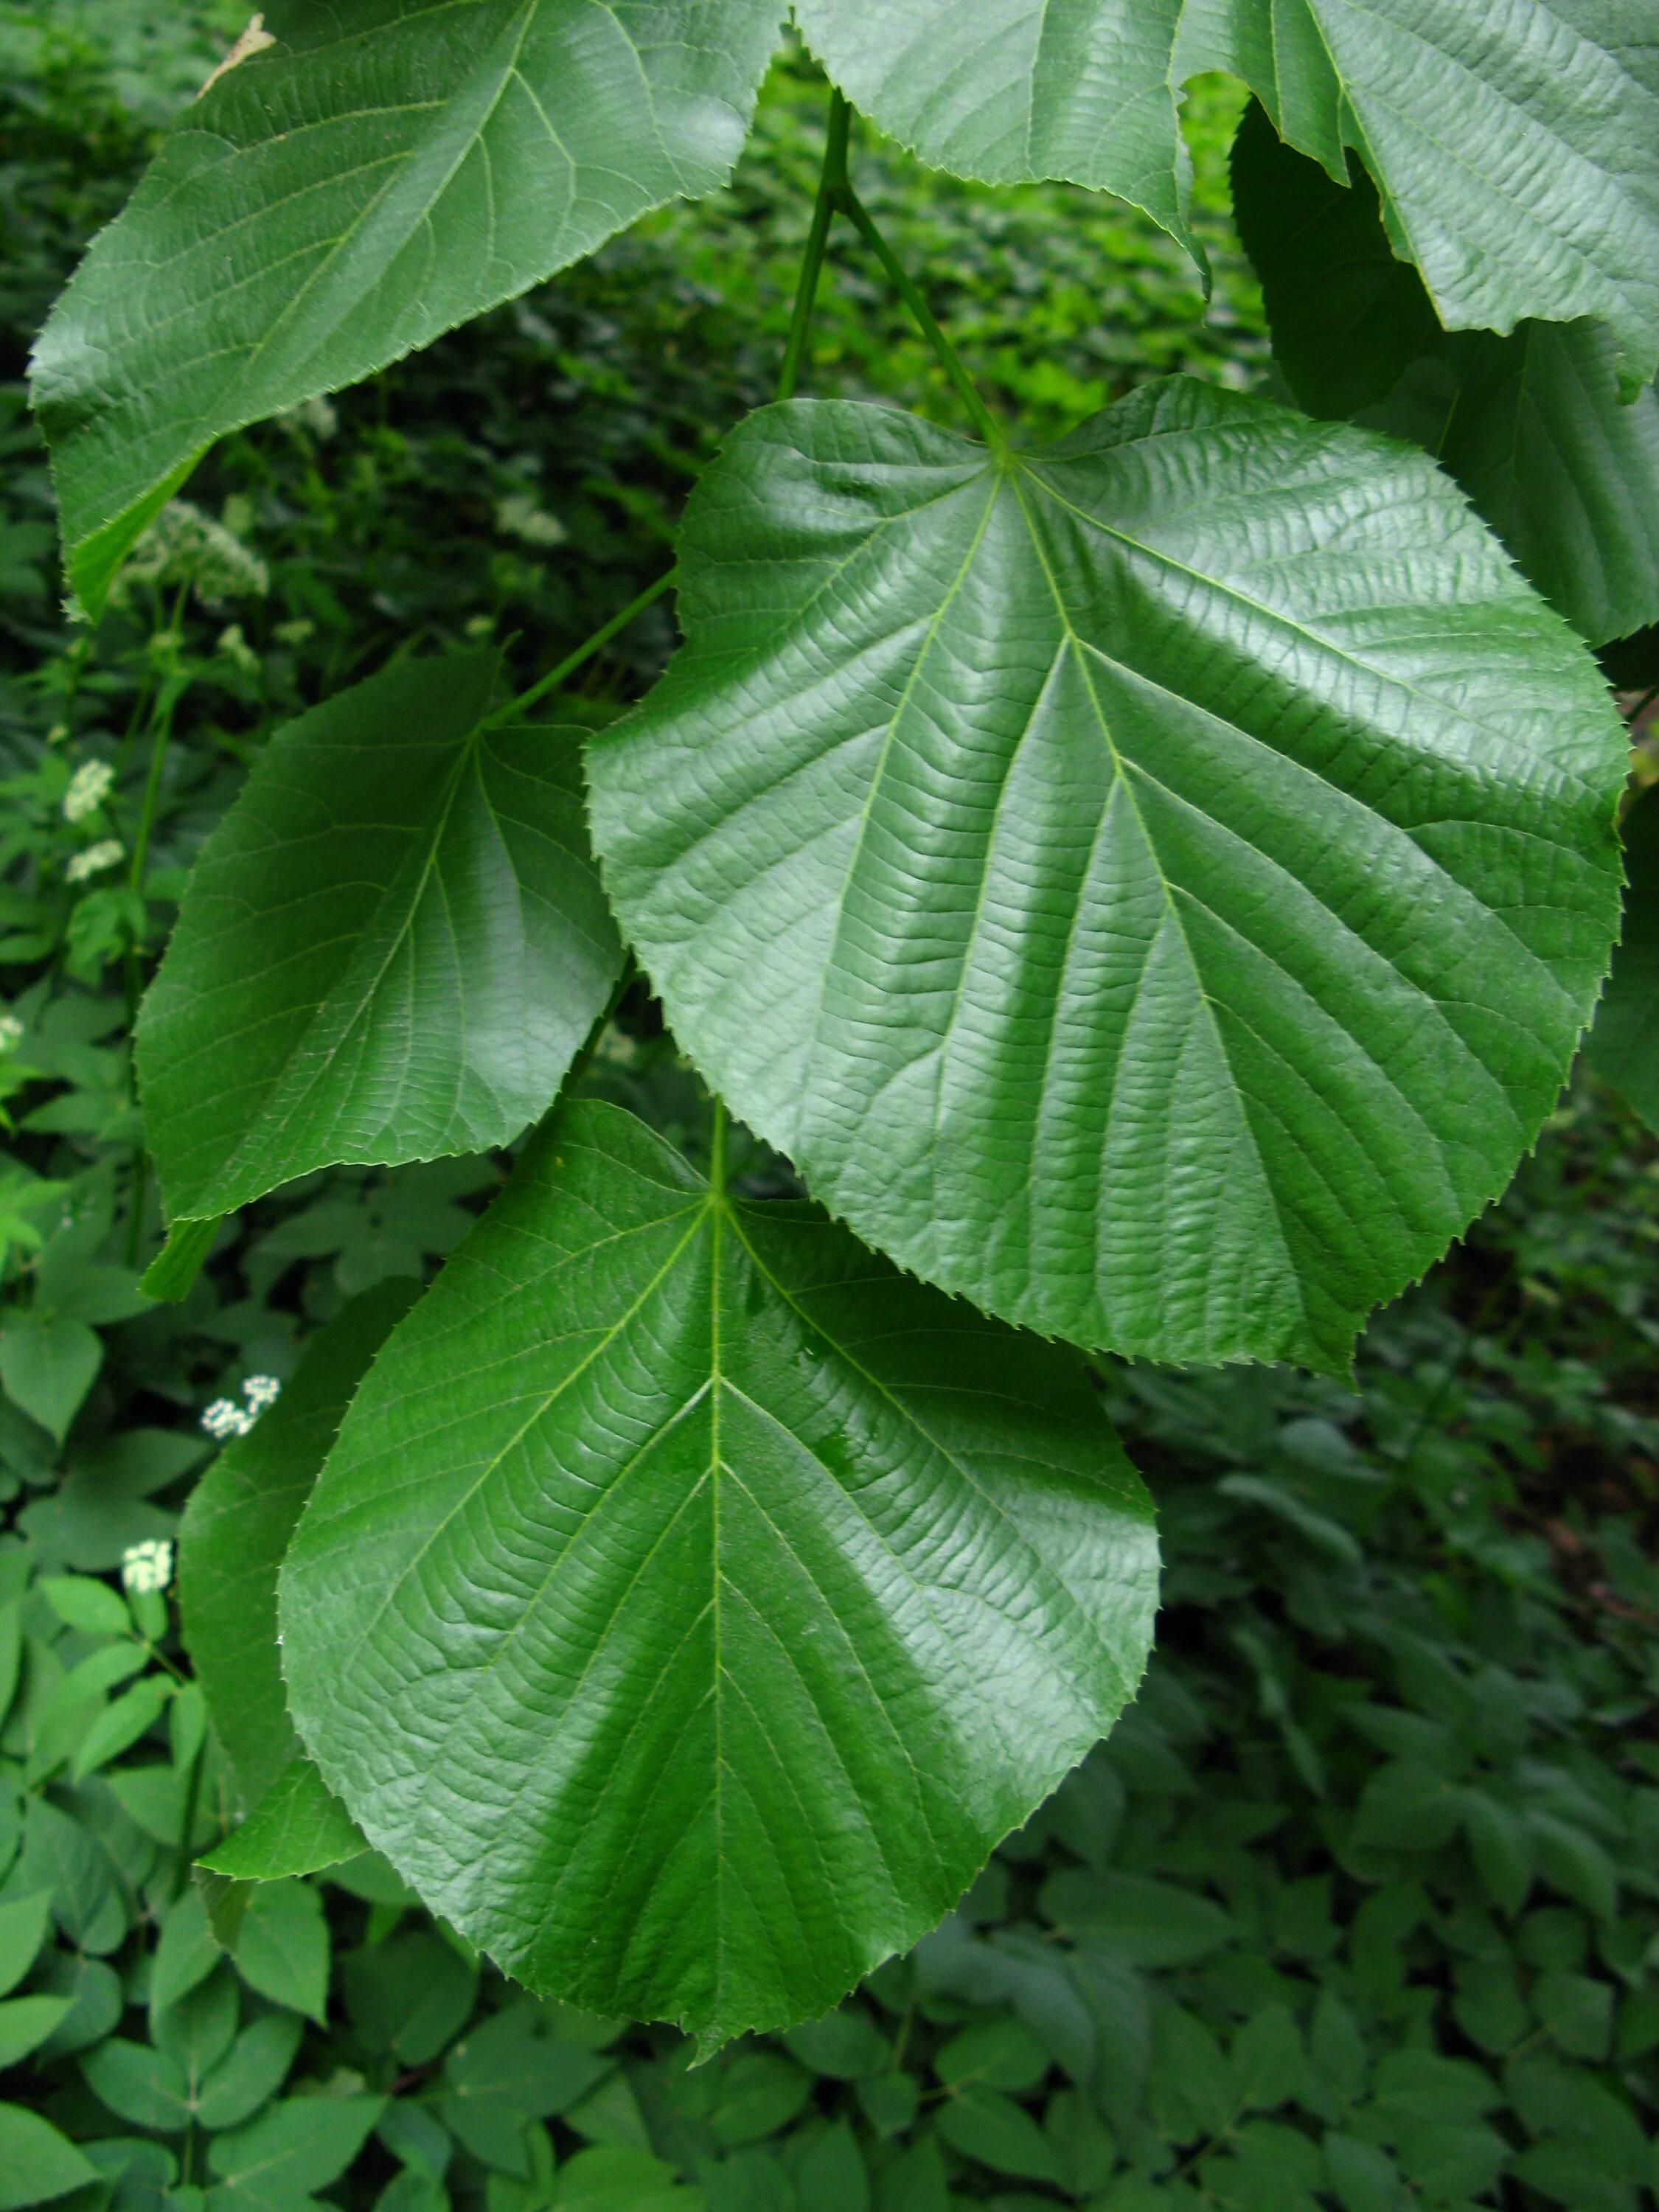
(1623, 1047)
(794, 1492)
(410, 1996)
(140, 2083)
(1147, 1922)
(846, 2045)
(1530, 423)
(993, 2054)
(1576, 2012)
(391, 947)
(1501, 1845)
(363, 183)
(186, 1952)
(281, 1947)
(983, 2124)
(1363, 2175)
(300, 2145)
(22, 1931)
(1012, 828)
(251, 2072)
(1545, 151)
(236, 1528)
(607, 2179)
(36, 2162)
(48, 1362)
(25, 2023)
(1575, 1863)
(506, 2073)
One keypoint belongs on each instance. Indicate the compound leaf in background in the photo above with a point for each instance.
(1623, 1048)
(391, 948)
(691, 1600)
(1531, 423)
(1550, 208)
(1152, 886)
(235, 1530)
(363, 181)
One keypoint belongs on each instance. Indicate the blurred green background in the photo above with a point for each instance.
(1359, 1906)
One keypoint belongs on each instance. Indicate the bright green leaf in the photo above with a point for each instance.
(350, 191)
(1550, 208)
(769, 1561)
(120, 1724)
(186, 1952)
(391, 947)
(1530, 424)
(1623, 1048)
(298, 1827)
(36, 2162)
(1152, 886)
(141, 2083)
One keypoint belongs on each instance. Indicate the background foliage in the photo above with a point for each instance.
(1358, 1908)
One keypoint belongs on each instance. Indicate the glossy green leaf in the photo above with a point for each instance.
(365, 182)
(1152, 886)
(391, 947)
(691, 1602)
(236, 1528)
(1530, 424)
(36, 2162)
(1551, 206)
(1623, 1047)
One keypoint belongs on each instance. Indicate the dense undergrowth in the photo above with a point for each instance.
(1359, 1906)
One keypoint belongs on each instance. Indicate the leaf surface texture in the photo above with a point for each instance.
(691, 1600)
(382, 171)
(1152, 886)
(390, 949)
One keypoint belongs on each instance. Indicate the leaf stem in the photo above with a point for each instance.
(584, 653)
(717, 1148)
(832, 184)
(861, 220)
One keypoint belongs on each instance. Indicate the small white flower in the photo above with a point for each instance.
(89, 786)
(147, 1566)
(94, 859)
(260, 1391)
(224, 1418)
(11, 1032)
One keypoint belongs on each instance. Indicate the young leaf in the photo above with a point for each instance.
(1152, 886)
(231, 1541)
(391, 947)
(1623, 1048)
(1530, 424)
(1550, 208)
(690, 1601)
(362, 183)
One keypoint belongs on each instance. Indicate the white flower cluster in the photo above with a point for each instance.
(225, 1418)
(147, 1566)
(89, 786)
(11, 1032)
(94, 859)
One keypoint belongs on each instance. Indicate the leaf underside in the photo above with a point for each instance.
(1530, 424)
(380, 174)
(1548, 206)
(236, 1528)
(1152, 886)
(391, 948)
(1623, 1048)
(691, 1600)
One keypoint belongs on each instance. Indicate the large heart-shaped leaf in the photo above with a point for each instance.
(235, 1530)
(1516, 141)
(371, 176)
(391, 948)
(1624, 1045)
(1530, 424)
(1152, 886)
(691, 1600)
